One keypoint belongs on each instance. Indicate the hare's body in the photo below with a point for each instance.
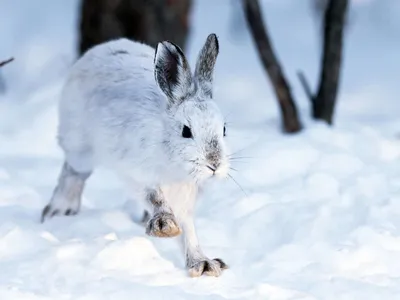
(140, 112)
(103, 123)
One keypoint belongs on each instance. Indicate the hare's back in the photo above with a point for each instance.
(116, 62)
(112, 84)
(118, 73)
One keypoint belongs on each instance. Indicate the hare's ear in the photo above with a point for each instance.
(205, 64)
(172, 72)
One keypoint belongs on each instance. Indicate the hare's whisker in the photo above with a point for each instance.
(233, 179)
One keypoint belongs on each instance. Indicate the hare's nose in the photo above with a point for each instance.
(215, 165)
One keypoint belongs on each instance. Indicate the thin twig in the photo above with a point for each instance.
(3, 63)
(306, 86)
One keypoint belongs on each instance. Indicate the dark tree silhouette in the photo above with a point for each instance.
(272, 66)
(148, 21)
(334, 19)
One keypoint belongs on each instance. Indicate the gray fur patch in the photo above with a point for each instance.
(118, 52)
(201, 105)
(155, 198)
(213, 155)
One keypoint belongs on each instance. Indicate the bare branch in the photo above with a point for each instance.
(306, 86)
(3, 63)
(272, 66)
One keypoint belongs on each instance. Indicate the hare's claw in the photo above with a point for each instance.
(209, 267)
(50, 211)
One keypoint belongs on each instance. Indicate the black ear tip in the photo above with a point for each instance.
(156, 50)
(213, 38)
(172, 46)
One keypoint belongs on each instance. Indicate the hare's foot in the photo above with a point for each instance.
(163, 224)
(55, 209)
(204, 266)
(66, 199)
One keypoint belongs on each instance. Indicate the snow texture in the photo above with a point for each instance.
(317, 214)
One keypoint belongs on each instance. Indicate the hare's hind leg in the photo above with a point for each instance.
(66, 198)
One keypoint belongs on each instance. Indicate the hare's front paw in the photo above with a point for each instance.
(163, 225)
(210, 267)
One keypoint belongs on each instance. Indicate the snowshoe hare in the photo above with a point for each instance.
(142, 113)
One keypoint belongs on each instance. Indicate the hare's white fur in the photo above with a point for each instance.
(124, 106)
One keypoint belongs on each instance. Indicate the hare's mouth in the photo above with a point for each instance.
(211, 168)
(202, 170)
(219, 170)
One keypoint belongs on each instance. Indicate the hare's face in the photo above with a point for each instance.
(195, 126)
(197, 140)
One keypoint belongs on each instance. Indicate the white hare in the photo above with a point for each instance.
(141, 112)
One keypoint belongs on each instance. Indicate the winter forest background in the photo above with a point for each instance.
(316, 215)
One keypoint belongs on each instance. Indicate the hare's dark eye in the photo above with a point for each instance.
(224, 131)
(186, 132)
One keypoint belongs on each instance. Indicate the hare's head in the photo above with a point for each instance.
(195, 127)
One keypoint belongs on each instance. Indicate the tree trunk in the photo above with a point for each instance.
(323, 104)
(271, 64)
(148, 21)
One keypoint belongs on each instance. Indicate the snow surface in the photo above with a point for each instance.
(319, 214)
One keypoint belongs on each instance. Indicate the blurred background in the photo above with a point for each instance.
(46, 36)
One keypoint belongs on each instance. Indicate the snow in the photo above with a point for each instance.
(316, 216)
